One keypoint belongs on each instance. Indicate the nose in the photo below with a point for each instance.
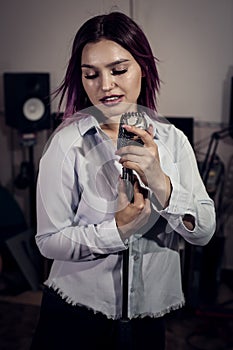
(107, 81)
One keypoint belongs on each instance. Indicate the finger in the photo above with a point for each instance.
(139, 201)
(150, 130)
(145, 135)
(131, 149)
(142, 190)
(129, 156)
(123, 200)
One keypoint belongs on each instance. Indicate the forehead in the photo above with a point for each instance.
(104, 52)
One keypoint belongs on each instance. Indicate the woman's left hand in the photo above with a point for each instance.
(145, 161)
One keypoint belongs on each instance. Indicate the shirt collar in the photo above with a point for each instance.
(88, 122)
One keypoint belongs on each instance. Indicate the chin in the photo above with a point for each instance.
(115, 111)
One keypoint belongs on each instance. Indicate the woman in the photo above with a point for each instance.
(85, 219)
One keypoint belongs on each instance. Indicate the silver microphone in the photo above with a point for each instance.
(126, 138)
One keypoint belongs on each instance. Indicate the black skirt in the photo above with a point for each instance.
(64, 326)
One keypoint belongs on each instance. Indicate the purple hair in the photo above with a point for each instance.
(121, 29)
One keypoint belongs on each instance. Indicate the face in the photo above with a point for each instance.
(111, 77)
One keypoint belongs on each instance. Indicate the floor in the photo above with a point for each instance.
(208, 329)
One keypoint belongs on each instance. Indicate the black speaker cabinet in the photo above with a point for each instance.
(185, 124)
(27, 101)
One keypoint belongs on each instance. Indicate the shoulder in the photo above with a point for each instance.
(63, 138)
(70, 132)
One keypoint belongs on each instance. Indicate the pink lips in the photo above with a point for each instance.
(111, 100)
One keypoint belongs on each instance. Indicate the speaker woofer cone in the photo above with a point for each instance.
(33, 109)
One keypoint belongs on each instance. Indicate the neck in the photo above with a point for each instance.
(112, 127)
(111, 130)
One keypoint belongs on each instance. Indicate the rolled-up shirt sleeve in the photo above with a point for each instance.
(188, 196)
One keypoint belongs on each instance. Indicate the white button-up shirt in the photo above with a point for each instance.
(76, 202)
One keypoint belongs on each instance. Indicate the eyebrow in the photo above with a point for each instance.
(108, 65)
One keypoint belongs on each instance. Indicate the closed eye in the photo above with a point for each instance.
(119, 71)
(91, 76)
(113, 72)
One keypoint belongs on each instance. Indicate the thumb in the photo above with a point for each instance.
(150, 130)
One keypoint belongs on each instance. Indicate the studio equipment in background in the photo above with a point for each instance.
(27, 175)
(187, 251)
(185, 124)
(201, 265)
(27, 109)
(21, 261)
(213, 174)
(210, 159)
(231, 108)
(27, 101)
(24, 178)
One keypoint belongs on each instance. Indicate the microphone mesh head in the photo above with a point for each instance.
(133, 119)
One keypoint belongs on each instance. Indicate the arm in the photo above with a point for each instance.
(132, 216)
(178, 193)
(61, 234)
(190, 212)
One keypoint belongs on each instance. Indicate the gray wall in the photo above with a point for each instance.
(193, 40)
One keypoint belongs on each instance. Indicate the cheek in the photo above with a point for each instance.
(85, 84)
(88, 87)
(134, 84)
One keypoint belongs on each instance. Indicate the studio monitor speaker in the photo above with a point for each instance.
(185, 124)
(27, 101)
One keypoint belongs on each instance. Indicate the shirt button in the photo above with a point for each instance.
(136, 257)
(131, 290)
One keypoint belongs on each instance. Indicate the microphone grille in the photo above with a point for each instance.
(133, 119)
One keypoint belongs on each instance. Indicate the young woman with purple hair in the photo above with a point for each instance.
(85, 220)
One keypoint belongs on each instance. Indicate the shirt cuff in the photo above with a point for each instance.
(109, 235)
(180, 203)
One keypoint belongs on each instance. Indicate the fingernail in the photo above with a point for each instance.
(127, 126)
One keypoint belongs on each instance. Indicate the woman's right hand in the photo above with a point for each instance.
(131, 216)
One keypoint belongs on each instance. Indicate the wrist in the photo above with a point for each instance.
(124, 232)
(162, 190)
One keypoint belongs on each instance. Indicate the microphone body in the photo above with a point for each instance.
(126, 138)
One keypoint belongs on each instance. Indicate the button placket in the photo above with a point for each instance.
(136, 273)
